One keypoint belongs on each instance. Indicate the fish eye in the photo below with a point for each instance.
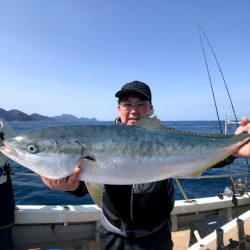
(32, 148)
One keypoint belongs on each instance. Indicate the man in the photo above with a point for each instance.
(138, 216)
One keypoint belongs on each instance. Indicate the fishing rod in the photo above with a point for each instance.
(209, 77)
(217, 62)
(222, 75)
(234, 199)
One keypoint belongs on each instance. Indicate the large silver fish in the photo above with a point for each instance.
(120, 154)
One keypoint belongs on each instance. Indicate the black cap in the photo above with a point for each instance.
(136, 87)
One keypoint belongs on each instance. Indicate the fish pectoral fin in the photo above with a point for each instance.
(95, 191)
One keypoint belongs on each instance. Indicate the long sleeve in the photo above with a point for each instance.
(81, 190)
(225, 162)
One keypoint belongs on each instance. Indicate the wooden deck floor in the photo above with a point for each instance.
(181, 239)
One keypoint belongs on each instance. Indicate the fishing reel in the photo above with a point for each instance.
(239, 187)
(228, 192)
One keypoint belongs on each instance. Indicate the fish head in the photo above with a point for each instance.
(40, 153)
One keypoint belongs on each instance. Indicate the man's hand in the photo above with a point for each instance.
(243, 151)
(69, 183)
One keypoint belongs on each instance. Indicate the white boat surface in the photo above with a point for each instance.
(232, 230)
(74, 226)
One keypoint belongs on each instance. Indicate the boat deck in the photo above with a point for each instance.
(236, 232)
(68, 245)
(74, 227)
(180, 238)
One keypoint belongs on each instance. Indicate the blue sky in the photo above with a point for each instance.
(71, 56)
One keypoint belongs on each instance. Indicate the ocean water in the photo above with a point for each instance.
(31, 190)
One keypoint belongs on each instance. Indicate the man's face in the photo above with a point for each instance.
(133, 109)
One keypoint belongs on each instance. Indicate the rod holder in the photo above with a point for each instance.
(219, 239)
(241, 234)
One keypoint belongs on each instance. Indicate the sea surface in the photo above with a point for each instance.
(30, 190)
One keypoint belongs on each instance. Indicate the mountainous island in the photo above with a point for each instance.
(17, 115)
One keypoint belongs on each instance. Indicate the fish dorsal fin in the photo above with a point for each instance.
(6, 130)
(151, 121)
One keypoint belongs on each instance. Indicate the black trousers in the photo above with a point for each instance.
(6, 241)
(160, 240)
(7, 213)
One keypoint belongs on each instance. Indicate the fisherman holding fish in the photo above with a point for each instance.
(126, 167)
(134, 216)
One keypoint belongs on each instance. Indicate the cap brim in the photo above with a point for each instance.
(130, 91)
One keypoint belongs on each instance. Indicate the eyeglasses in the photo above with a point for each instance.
(129, 106)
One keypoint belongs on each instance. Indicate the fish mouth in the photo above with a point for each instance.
(8, 151)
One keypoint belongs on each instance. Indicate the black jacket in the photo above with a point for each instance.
(136, 207)
(142, 206)
(7, 202)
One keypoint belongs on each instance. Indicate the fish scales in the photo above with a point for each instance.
(119, 154)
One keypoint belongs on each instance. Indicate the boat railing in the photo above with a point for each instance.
(234, 188)
(238, 182)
